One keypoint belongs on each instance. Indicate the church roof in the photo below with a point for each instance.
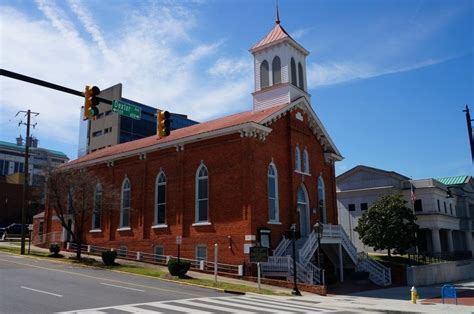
(277, 34)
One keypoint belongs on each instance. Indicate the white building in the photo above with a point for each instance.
(437, 214)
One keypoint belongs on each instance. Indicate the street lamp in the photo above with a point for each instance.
(318, 230)
(292, 233)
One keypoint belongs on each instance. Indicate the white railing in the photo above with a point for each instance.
(308, 248)
(277, 264)
(50, 237)
(348, 245)
(281, 247)
(378, 273)
(160, 259)
(316, 272)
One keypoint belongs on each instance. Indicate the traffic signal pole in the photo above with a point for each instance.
(35, 81)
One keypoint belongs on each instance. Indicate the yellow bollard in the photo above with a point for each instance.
(414, 295)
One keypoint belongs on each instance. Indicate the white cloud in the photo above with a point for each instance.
(155, 54)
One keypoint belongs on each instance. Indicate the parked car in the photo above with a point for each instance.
(14, 231)
(2, 233)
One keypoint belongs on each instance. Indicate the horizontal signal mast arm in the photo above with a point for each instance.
(32, 80)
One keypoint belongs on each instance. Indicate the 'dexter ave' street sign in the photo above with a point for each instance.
(126, 109)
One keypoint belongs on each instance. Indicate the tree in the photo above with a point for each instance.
(77, 195)
(388, 225)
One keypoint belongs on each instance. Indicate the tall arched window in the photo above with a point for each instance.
(300, 75)
(305, 161)
(276, 70)
(303, 209)
(273, 210)
(297, 158)
(97, 213)
(293, 73)
(202, 194)
(160, 199)
(264, 75)
(322, 200)
(125, 204)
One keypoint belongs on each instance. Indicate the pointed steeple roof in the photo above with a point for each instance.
(277, 34)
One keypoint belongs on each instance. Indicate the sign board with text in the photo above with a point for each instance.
(126, 109)
(258, 254)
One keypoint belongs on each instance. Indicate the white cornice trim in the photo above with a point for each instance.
(249, 129)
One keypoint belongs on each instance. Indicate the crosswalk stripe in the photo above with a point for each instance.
(227, 302)
(268, 305)
(213, 307)
(134, 309)
(282, 302)
(160, 305)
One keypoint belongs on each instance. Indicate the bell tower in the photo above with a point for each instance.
(279, 69)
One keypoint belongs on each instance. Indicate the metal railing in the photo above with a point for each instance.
(439, 257)
(159, 259)
(308, 248)
(281, 247)
(378, 273)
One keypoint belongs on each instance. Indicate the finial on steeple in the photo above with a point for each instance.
(278, 14)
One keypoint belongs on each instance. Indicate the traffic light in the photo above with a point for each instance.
(90, 102)
(164, 124)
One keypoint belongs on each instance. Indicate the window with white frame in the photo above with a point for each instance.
(201, 252)
(97, 213)
(305, 161)
(202, 194)
(160, 199)
(322, 200)
(297, 158)
(125, 204)
(273, 210)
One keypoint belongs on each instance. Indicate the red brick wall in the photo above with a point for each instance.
(238, 203)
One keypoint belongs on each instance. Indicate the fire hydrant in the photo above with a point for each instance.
(414, 295)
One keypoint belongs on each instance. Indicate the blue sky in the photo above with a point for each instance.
(388, 79)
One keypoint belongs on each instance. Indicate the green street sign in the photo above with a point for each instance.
(126, 109)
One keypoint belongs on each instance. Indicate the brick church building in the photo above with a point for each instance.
(236, 181)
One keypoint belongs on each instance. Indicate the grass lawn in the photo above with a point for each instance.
(146, 271)
(401, 260)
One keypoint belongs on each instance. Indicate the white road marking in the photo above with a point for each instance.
(41, 291)
(116, 286)
(133, 309)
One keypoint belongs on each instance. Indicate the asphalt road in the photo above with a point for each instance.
(30, 285)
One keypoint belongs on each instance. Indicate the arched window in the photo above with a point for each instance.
(305, 161)
(97, 213)
(273, 210)
(276, 70)
(303, 209)
(297, 158)
(322, 200)
(160, 199)
(125, 204)
(300, 75)
(202, 194)
(293, 73)
(264, 75)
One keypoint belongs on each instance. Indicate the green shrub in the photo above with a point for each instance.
(360, 275)
(178, 268)
(54, 248)
(108, 257)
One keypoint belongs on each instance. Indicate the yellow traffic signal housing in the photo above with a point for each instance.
(90, 102)
(163, 127)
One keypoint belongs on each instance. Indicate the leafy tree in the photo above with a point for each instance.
(388, 225)
(72, 195)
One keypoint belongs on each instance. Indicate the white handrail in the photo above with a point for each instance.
(281, 247)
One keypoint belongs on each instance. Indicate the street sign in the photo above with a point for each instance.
(179, 240)
(258, 254)
(126, 109)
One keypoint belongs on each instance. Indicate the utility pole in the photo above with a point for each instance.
(469, 131)
(26, 177)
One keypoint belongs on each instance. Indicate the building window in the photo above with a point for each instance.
(418, 205)
(264, 75)
(18, 167)
(439, 206)
(160, 199)
(273, 210)
(294, 80)
(322, 200)
(96, 214)
(445, 210)
(125, 204)
(276, 70)
(201, 252)
(297, 158)
(451, 208)
(4, 167)
(305, 161)
(363, 206)
(352, 207)
(97, 133)
(202, 194)
(300, 75)
(108, 113)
